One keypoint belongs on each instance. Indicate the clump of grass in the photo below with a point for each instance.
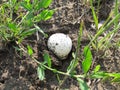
(105, 41)
(19, 18)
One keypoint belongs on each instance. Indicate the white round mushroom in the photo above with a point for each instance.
(60, 44)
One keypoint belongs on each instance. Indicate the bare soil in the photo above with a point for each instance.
(19, 72)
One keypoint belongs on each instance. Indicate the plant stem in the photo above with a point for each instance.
(22, 19)
(45, 66)
(11, 9)
(75, 60)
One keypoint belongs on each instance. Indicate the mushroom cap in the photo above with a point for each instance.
(60, 44)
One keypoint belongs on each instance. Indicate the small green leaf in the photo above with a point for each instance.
(13, 27)
(41, 72)
(88, 59)
(30, 50)
(97, 68)
(43, 4)
(83, 85)
(99, 75)
(47, 59)
(26, 5)
(44, 15)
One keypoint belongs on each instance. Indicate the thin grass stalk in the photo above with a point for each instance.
(94, 14)
(104, 29)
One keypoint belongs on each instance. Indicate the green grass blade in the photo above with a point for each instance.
(94, 14)
(116, 11)
(28, 32)
(106, 40)
(40, 30)
(74, 62)
(104, 28)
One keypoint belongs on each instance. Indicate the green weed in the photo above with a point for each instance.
(19, 18)
(105, 42)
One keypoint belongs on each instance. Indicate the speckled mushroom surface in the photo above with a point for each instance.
(60, 44)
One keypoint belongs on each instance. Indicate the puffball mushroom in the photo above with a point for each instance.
(60, 44)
